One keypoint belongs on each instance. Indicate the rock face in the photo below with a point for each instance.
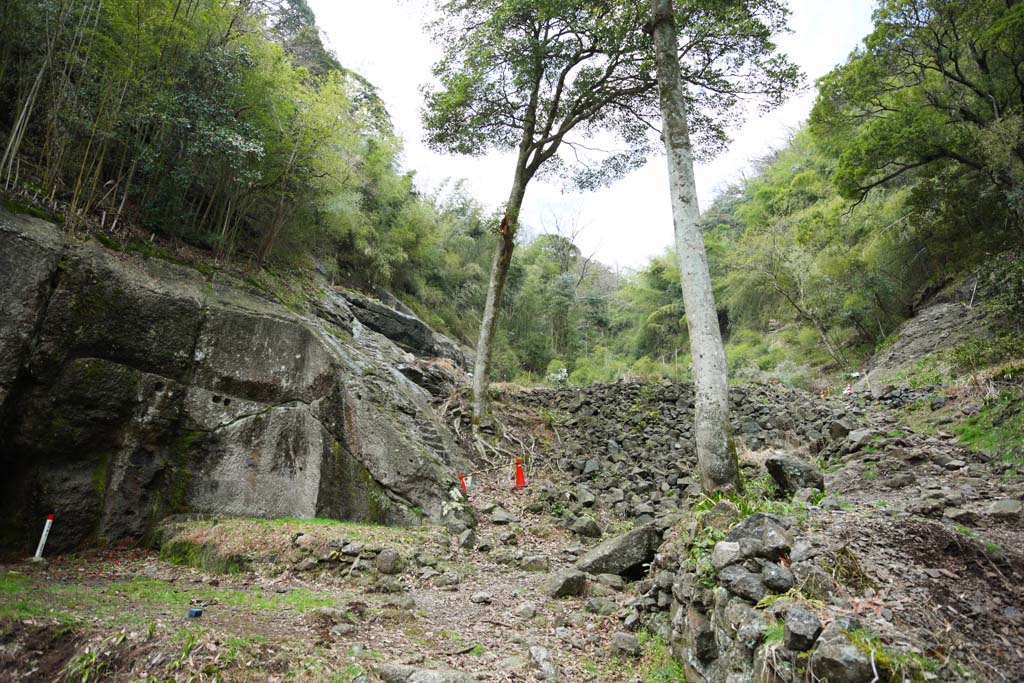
(941, 325)
(133, 388)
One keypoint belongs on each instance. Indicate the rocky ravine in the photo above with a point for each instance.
(132, 387)
(608, 567)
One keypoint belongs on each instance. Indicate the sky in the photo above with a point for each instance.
(623, 225)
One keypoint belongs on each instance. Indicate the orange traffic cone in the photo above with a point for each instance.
(520, 478)
(463, 483)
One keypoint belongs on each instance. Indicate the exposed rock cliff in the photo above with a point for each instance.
(131, 388)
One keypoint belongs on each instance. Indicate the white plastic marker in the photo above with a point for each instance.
(42, 541)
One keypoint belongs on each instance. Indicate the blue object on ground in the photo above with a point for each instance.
(195, 613)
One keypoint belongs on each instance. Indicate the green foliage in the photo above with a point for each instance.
(226, 124)
(85, 668)
(776, 632)
(895, 666)
(998, 428)
(934, 96)
(658, 666)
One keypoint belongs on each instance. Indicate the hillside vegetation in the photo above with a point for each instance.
(229, 127)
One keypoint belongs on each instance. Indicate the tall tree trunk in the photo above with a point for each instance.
(525, 169)
(716, 456)
(499, 273)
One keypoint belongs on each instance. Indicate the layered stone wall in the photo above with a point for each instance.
(131, 388)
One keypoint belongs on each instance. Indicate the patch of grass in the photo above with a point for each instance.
(870, 471)
(998, 428)
(844, 567)
(991, 547)
(658, 665)
(12, 583)
(85, 668)
(757, 496)
(792, 595)
(895, 666)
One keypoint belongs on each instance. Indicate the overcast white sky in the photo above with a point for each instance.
(627, 223)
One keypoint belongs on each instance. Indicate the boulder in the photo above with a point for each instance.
(405, 330)
(543, 664)
(777, 578)
(389, 561)
(399, 673)
(566, 583)
(29, 252)
(837, 660)
(1007, 508)
(622, 553)
(792, 474)
(801, 630)
(624, 645)
(586, 526)
(743, 583)
(768, 535)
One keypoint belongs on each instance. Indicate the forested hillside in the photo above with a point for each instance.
(228, 127)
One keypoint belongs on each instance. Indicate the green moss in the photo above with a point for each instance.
(899, 667)
(776, 632)
(101, 476)
(96, 373)
(97, 304)
(377, 502)
(202, 556)
(178, 499)
(35, 211)
(658, 664)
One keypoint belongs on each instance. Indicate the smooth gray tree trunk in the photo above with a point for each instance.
(716, 455)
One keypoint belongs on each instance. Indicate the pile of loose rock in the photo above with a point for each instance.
(626, 448)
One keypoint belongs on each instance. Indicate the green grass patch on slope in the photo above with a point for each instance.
(998, 428)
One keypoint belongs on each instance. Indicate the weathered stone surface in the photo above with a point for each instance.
(792, 474)
(839, 429)
(502, 516)
(857, 439)
(837, 660)
(777, 578)
(768, 534)
(621, 553)
(1007, 508)
(29, 252)
(586, 526)
(601, 606)
(624, 645)
(406, 330)
(398, 673)
(726, 553)
(801, 630)
(543, 663)
(389, 561)
(535, 563)
(743, 583)
(152, 390)
(701, 634)
(526, 611)
(568, 582)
